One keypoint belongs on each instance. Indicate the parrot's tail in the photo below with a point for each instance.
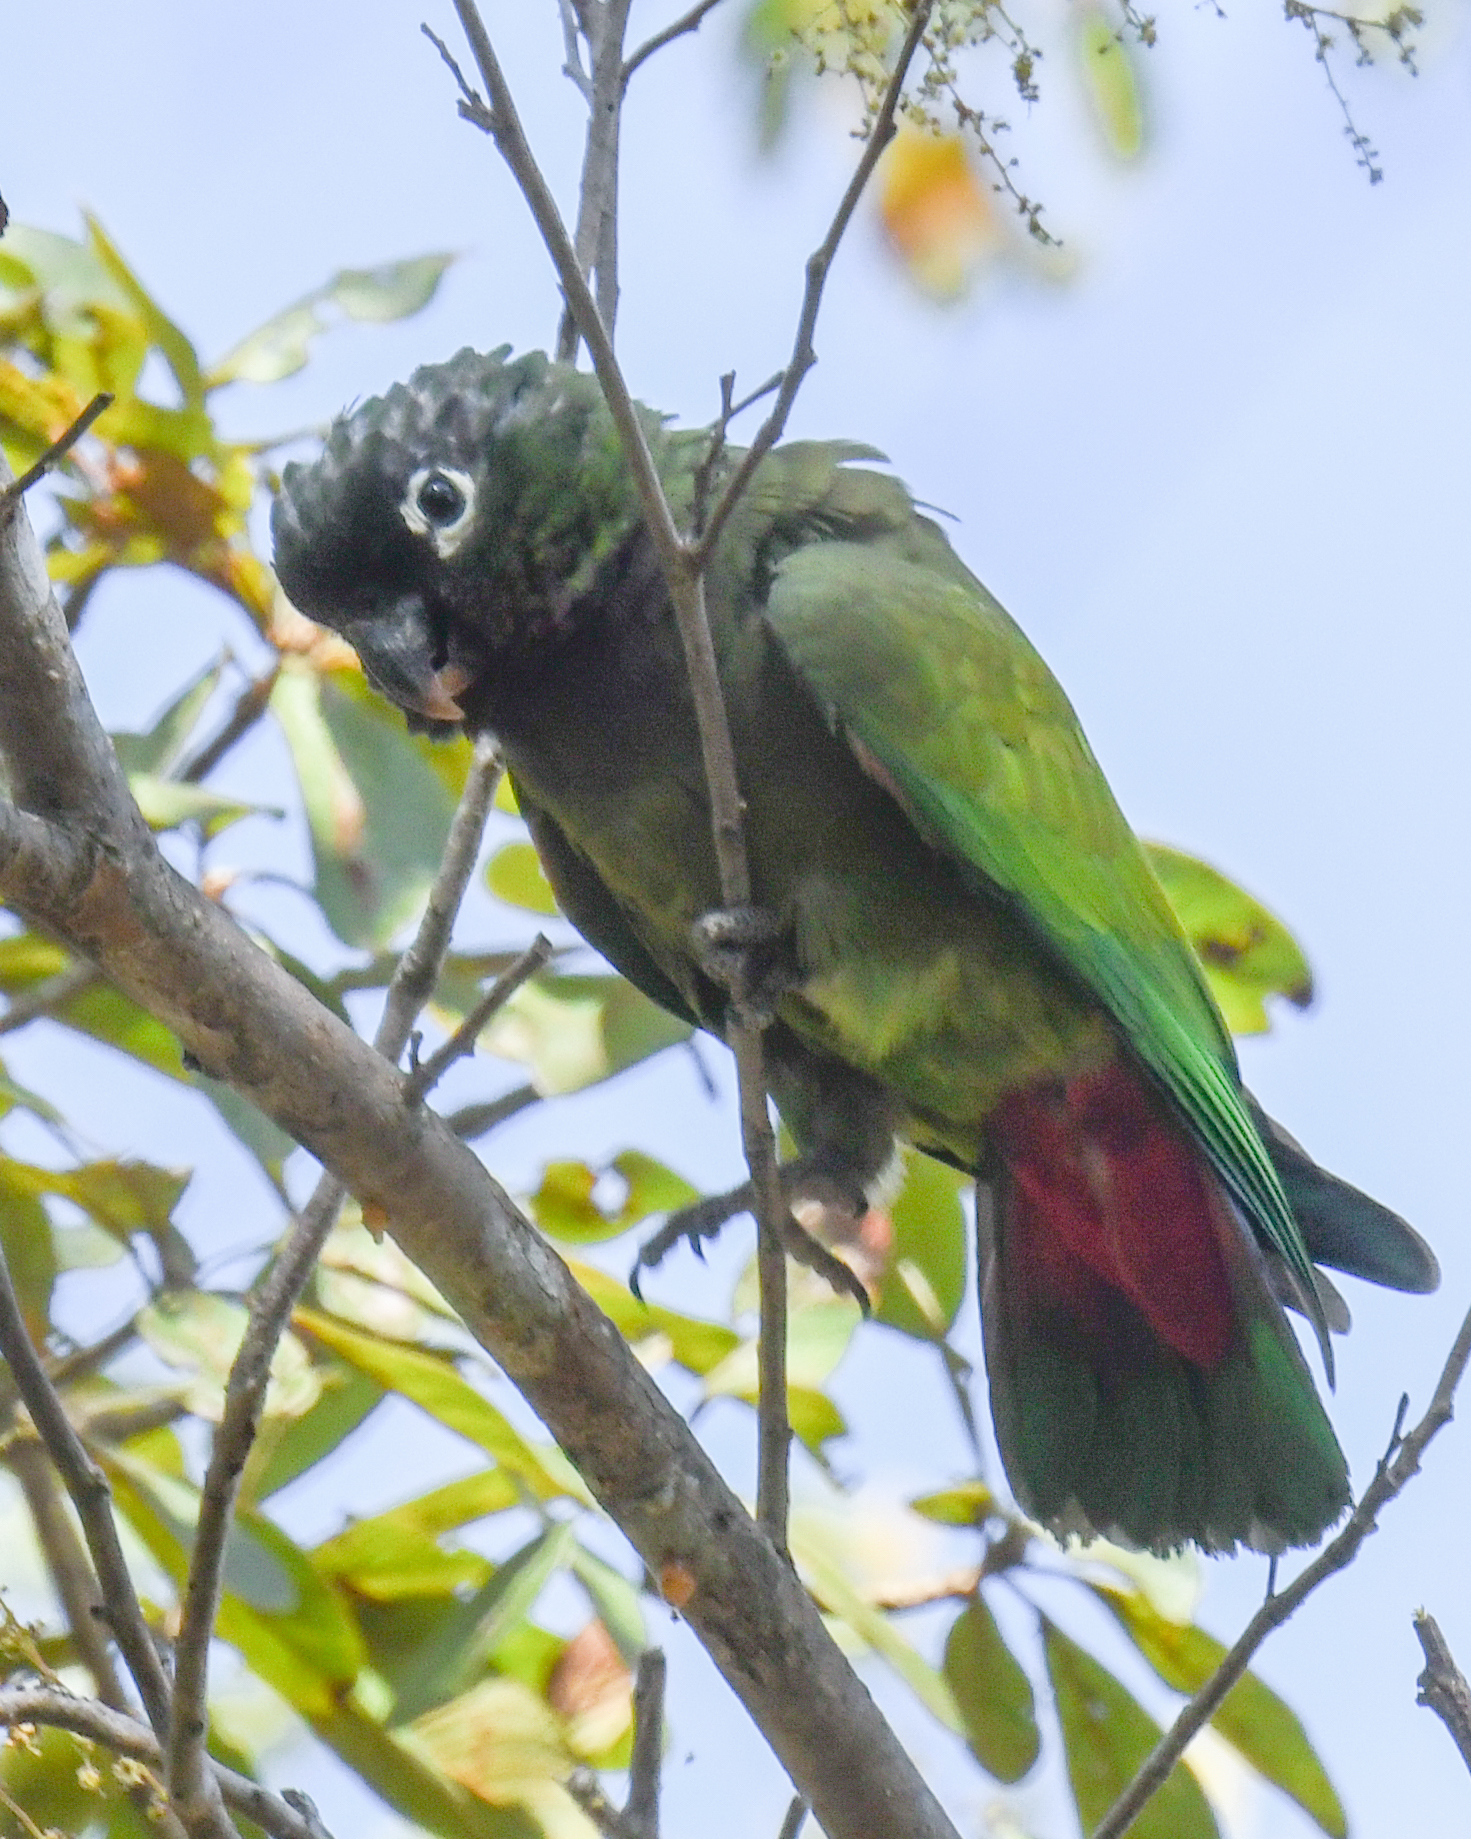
(1144, 1381)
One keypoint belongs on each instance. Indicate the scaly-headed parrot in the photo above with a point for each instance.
(967, 948)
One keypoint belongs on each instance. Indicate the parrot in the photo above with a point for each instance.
(956, 939)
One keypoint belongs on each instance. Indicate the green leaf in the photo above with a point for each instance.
(280, 347)
(1251, 1718)
(572, 1032)
(392, 1554)
(455, 1656)
(971, 1504)
(993, 1694)
(377, 812)
(25, 1236)
(1247, 952)
(176, 348)
(287, 1447)
(924, 1284)
(167, 803)
(162, 746)
(514, 874)
(1107, 1735)
(433, 1384)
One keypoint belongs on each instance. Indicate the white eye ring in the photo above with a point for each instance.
(446, 537)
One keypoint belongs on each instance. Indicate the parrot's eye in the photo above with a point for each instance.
(440, 499)
(440, 505)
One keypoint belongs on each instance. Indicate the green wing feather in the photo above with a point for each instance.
(936, 685)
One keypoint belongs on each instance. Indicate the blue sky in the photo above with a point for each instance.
(1221, 477)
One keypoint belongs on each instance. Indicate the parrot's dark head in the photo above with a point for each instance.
(454, 524)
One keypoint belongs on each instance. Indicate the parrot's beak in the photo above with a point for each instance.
(394, 646)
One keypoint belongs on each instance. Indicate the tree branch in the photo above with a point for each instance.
(687, 590)
(427, 1074)
(687, 22)
(804, 353)
(1442, 1685)
(116, 901)
(411, 985)
(596, 241)
(66, 1559)
(125, 1736)
(1400, 1463)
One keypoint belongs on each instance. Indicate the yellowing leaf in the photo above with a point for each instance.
(1247, 952)
(1109, 66)
(935, 210)
(924, 1283)
(514, 874)
(200, 1333)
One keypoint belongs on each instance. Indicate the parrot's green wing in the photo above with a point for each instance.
(945, 702)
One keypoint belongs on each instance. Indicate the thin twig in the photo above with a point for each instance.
(125, 1736)
(423, 1078)
(804, 354)
(66, 1560)
(43, 999)
(572, 69)
(472, 1121)
(414, 979)
(11, 495)
(250, 706)
(1401, 1461)
(687, 590)
(87, 1486)
(1442, 1685)
(596, 240)
(688, 22)
(641, 1809)
(796, 1818)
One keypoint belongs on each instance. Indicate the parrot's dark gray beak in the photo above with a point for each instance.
(395, 648)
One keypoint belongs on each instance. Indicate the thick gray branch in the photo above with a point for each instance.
(114, 899)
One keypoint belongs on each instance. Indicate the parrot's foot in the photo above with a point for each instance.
(803, 1182)
(744, 950)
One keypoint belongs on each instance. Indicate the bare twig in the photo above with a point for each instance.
(642, 1806)
(66, 1559)
(11, 495)
(125, 1736)
(412, 983)
(596, 241)
(87, 1486)
(795, 1820)
(639, 1817)
(687, 590)
(250, 706)
(1401, 1461)
(804, 354)
(47, 997)
(572, 69)
(687, 22)
(1442, 1685)
(472, 1121)
(428, 1073)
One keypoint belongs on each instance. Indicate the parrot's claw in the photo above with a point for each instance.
(743, 949)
